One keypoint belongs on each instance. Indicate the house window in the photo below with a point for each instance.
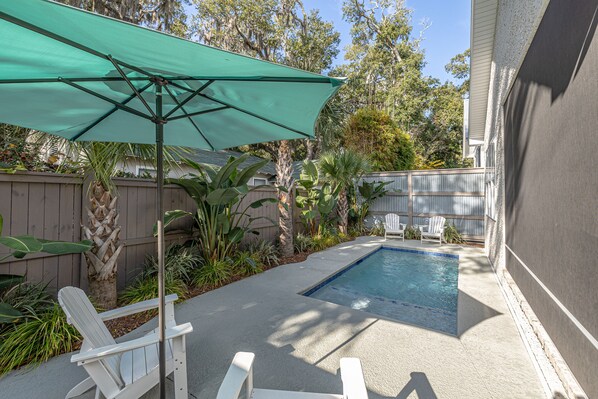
(257, 181)
(146, 172)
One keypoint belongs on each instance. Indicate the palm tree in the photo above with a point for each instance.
(100, 162)
(284, 181)
(342, 168)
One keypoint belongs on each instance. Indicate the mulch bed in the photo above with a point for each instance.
(124, 325)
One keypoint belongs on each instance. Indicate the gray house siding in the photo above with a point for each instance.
(551, 182)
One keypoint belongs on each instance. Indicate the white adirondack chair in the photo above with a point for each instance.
(128, 369)
(393, 226)
(240, 374)
(434, 231)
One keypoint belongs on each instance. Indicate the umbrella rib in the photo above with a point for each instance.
(205, 111)
(107, 114)
(255, 115)
(180, 105)
(186, 100)
(137, 94)
(171, 79)
(245, 111)
(102, 97)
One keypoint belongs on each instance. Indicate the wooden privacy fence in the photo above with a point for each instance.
(456, 194)
(53, 206)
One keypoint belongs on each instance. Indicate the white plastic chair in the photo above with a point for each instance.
(240, 374)
(128, 369)
(434, 231)
(393, 226)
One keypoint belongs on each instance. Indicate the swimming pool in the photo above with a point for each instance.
(416, 287)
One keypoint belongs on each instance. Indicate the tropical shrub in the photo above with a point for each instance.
(146, 287)
(313, 198)
(303, 243)
(452, 235)
(377, 229)
(265, 251)
(247, 263)
(25, 300)
(341, 169)
(213, 273)
(179, 262)
(411, 233)
(368, 193)
(221, 219)
(37, 339)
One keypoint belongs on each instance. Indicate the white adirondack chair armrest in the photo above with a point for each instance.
(238, 372)
(111, 350)
(136, 308)
(402, 226)
(422, 228)
(352, 376)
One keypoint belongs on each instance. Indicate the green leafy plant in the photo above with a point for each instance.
(37, 339)
(313, 198)
(179, 262)
(21, 300)
(303, 243)
(213, 273)
(24, 245)
(20, 247)
(265, 251)
(146, 287)
(221, 219)
(411, 233)
(341, 169)
(368, 193)
(377, 229)
(247, 263)
(452, 235)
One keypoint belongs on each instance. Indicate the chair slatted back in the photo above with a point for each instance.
(436, 224)
(83, 316)
(393, 222)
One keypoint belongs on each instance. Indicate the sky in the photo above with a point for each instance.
(447, 36)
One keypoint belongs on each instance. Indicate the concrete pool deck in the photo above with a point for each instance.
(298, 341)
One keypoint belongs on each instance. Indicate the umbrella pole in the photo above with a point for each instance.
(159, 123)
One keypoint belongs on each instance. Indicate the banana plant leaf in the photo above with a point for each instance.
(171, 216)
(22, 244)
(8, 314)
(63, 247)
(222, 196)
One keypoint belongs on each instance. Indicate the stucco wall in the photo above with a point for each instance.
(551, 120)
(515, 25)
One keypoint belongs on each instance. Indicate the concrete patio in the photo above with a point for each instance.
(298, 340)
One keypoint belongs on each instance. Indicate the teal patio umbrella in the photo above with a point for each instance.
(86, 77)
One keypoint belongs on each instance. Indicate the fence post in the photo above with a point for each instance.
(410, 198)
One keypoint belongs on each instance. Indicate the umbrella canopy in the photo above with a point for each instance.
(86, 77)
(74, 74)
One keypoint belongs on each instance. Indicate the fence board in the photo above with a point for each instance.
(457, 194)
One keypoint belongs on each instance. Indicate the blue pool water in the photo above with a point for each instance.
(416, 287)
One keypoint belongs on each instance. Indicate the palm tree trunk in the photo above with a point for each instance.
(310, 147)
(104, 231)
(284, 178)
(343, 211)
